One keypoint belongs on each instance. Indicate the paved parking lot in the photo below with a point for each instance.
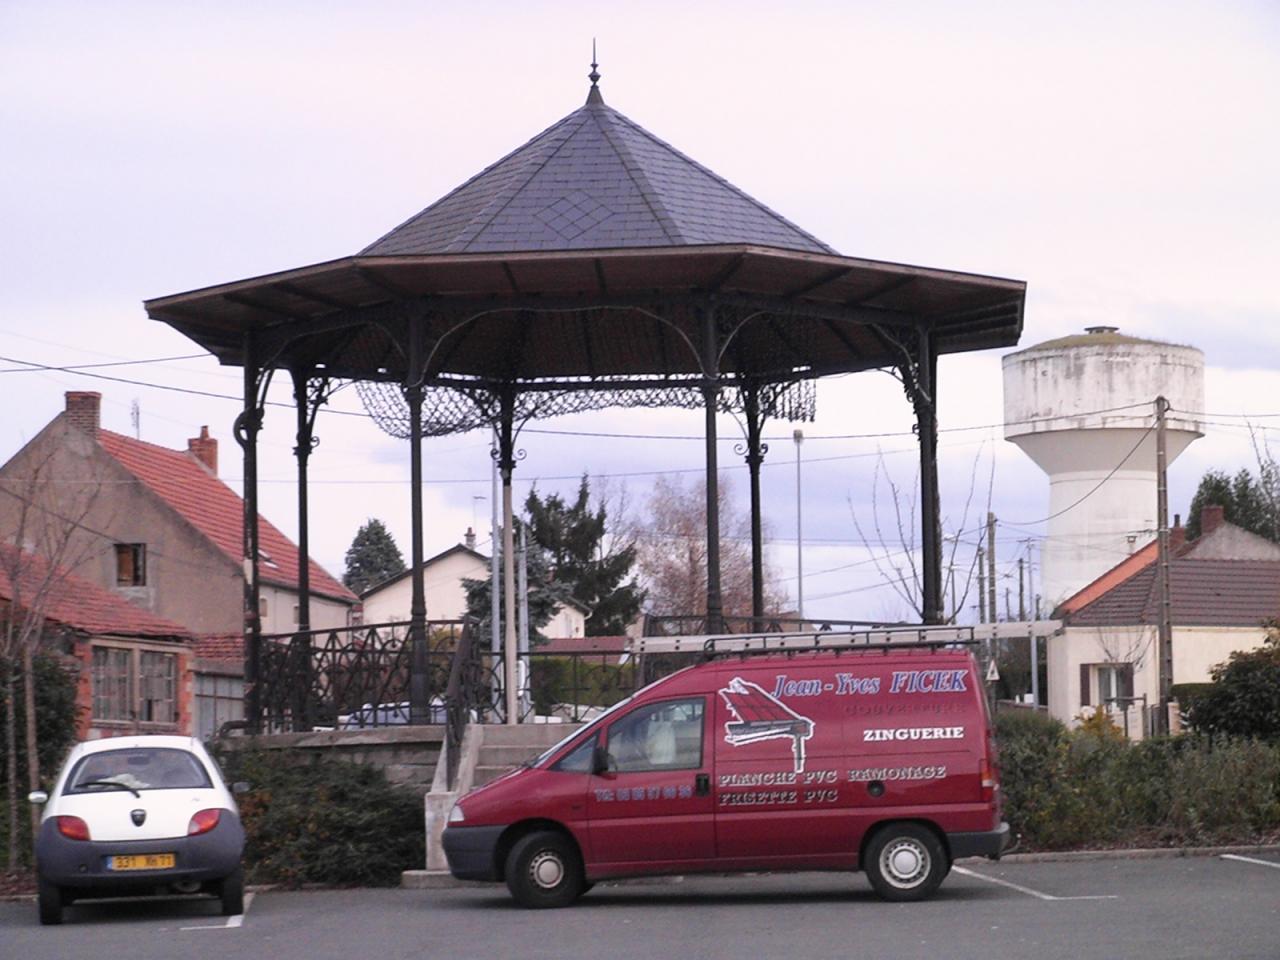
(1171, 908)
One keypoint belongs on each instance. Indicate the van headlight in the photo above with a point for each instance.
(456, 815)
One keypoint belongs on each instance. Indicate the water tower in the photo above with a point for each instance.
(1080, 407)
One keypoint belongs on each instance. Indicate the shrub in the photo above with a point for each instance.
(326, 821)
(56, 716)
(1244, 698)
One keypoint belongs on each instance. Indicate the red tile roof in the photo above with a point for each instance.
(567, 645)
(225, 647)
(77, 603)
(215, 510)
(1224, 593)
(1117, 575)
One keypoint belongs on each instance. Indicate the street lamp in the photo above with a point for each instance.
(798, 437)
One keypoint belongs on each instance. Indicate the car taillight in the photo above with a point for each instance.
(203, 822)
(987, 780)
(73, 828)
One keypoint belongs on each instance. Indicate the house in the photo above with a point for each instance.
(446, 597)
(1223, 587)
(158, 528)
(134, 668)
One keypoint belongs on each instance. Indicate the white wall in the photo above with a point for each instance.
(447, 599)
(1196, 650)
(280, 617)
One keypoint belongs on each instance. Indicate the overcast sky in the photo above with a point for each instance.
(1120, 157)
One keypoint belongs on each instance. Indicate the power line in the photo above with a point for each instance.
(1114, 471)
(32, 367)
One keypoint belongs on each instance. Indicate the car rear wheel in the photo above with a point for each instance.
(544, 870)
(49, 900)
(231, 890)
(905, 861)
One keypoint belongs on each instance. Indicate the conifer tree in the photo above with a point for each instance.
(372, 557)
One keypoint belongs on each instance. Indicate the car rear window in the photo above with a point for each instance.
(138, 768)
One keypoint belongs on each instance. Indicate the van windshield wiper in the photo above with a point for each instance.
(110, 783)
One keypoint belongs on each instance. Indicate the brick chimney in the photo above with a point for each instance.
(470, 539)
(84, 410)
(1211, 518)
(1177, 535)
(205, 449)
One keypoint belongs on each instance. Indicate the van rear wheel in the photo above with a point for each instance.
(544, 870)
(905, 861)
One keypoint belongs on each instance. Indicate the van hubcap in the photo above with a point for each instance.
(547, 870)
(904, 863)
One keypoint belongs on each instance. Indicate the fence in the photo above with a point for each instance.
(352, 677)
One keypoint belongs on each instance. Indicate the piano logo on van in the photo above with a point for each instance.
(759, 716)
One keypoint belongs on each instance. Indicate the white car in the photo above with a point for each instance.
(137, 815)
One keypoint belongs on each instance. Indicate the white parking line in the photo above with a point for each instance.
(1027, 890)
(1262, 863)
(232, 922)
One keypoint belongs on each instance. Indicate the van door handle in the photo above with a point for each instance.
(702, 784)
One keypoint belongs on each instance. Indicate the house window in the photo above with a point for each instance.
(158, 693)
(132, 685)
(131, 564)
(1107, 684)
(112, 683)
(219, 699)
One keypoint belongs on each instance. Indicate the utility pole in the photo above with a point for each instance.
(1165, 628)
(982, 589)
(991, 567)
(1022, 591)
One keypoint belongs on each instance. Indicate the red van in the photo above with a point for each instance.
(880, 759)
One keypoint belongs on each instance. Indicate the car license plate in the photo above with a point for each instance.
(142, 861)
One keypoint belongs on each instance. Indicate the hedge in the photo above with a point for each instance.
(1086, 789)
(326, 821)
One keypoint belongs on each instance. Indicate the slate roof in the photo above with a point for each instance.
(1221, 593)
(79, 604)
(215, 510)
(594, 180)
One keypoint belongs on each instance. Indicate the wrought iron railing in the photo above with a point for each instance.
(352, 677)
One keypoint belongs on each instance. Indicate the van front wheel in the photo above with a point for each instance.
(905, 861)
(544, 870)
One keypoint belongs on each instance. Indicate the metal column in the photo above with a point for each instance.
(755, 452)
(711, 395)
(419, 694)
(507, 466)
(930, 529)
(246, 433)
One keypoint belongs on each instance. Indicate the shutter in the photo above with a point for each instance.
(1126, 681)
(1084, 684)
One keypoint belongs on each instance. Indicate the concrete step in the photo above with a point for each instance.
(537, 735)
(483, 774)
(491, 756)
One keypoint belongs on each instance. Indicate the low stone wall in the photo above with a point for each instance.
(407, 755)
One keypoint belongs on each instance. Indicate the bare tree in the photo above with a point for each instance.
(672, 556)
(42, 539)
(893, 549)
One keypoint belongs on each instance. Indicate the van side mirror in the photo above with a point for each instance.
(38, 797)
(600, 761)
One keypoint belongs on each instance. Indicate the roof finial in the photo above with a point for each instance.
(593, 95)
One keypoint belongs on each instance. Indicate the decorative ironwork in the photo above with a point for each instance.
(352, 677)
(463, 406)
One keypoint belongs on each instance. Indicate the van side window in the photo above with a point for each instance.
(658, 736)
(579, 759)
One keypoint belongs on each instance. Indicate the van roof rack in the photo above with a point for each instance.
(886, 638)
